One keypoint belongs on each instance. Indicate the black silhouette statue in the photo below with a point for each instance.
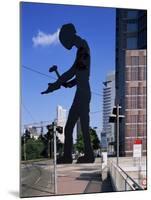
(80, 105)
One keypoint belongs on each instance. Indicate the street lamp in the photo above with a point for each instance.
(55, 129)
(95, 128)
(115, 117)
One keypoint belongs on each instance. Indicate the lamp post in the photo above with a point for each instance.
(96, 128)
(55, 155)
(115, 117)
(56, 129)
(117, 130)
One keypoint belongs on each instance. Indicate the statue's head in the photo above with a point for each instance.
(67, 35)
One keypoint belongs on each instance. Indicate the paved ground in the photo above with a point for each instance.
(36, 179)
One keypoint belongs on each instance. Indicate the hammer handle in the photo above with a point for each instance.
(57, 73)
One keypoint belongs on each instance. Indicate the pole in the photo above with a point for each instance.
(41, 127)
(139, 171)
(117, 130)
(48, 146)
(55, 157)
(24, 148)
(101, 162)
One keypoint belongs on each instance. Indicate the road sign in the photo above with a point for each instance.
(137, 148)
(137, 141)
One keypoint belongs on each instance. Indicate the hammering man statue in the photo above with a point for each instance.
(80, 106)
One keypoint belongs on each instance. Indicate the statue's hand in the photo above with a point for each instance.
(67, 85)
(51, 87)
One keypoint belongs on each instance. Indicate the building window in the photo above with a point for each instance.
(142, 102)
(131, 119)
(131, 43)
(142, 73)
(131, 130)
(144, 90)
(142, 60)
(128, 144)
(131, 102)
(128, 74)
(142, 118)
(134, 73)
(145, 74)
(131, 90)
(128, 60)
(142, 38)
(135, 60)
(132, 27)
(141, 129)
(132, 14)
(134, 91)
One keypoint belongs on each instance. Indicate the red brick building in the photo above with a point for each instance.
(135, 99)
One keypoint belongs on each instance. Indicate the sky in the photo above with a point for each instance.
(40, 49)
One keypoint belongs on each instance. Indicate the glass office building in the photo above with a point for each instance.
(108, 103)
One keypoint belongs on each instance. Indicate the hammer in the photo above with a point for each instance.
(54, 69)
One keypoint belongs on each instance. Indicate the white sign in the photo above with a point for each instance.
(137, 150)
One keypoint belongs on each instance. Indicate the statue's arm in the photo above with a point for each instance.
(61, 80)
(66, 76)
(71, 83)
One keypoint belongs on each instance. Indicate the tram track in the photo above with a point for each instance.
(36, 179)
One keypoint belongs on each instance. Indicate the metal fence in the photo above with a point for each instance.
(121, 180)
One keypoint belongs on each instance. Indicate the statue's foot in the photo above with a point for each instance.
(64, 160)
(86, 159)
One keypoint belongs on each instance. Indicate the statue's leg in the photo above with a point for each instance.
(71, 121)
(84, 119)
(88, 151)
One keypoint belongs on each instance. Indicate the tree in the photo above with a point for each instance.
(79, 143)
(43, 147)
(25, 136)
(34, 149)
(47, 140)
(94, 141)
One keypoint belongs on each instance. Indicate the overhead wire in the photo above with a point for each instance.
(51, 77)
(48, 76)
(27, 111)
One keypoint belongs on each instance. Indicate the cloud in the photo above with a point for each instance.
(43, 39)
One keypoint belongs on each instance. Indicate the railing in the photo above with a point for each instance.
(121, 181)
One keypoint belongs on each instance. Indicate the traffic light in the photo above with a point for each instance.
(50, 127)
(115, 117)
(115, 114)
(59, 129)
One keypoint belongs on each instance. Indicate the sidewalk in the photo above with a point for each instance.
(83, 178)
(37, 178)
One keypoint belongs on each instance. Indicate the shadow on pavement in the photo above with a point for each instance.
(106, 185)
(89, 176)
(96, 183)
